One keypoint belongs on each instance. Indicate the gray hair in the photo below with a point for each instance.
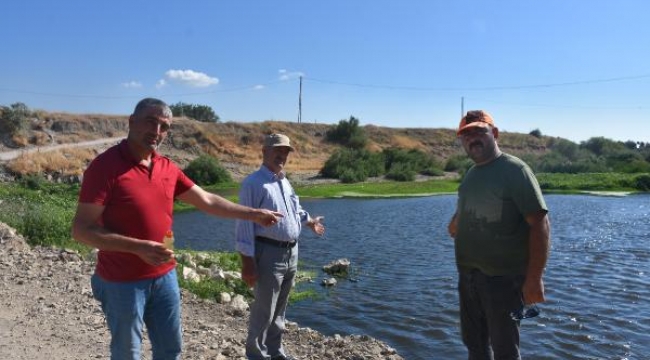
(147, 103)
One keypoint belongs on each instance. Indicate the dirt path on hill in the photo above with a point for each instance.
(12, 154)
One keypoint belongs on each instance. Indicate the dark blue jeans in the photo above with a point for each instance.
(488, 331)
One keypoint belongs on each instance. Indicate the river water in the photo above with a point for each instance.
(404, 279)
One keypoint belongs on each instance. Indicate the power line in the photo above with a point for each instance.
(485, 88)
(300, 102)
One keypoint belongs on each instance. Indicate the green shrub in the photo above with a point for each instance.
(401, 172)
(348, 133)
(413, 160)
(628, 161)
(33, 181)
(351, 175)
(46, 224)
(459, 163)
(536, 133)
(565, 147)
(642, 182)
(433, 171)
(206, 170)
(201, 113)
(351, 165)
(14, 118)
(565, 157)
(602, 146)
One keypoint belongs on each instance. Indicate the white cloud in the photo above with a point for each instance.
(288, 75)
(132, 84)
(191, 78)
(161, 84)
(258, 87)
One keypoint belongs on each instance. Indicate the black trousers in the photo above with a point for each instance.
(486, 302)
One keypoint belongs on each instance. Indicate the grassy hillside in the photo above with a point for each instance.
(236, 145)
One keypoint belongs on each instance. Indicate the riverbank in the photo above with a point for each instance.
(47, 312)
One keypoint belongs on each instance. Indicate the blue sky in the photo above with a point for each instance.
(573, 69)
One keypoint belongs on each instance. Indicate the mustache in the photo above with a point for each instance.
(475, 143)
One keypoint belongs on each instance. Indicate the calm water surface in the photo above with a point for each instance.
(597, 280)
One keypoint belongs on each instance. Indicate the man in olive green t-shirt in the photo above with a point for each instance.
(501, 231)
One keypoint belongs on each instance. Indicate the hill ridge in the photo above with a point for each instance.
(236, 144)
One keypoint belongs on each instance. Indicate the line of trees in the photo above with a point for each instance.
(354, 163)
(596, 155)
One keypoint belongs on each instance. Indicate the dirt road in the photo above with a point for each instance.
(10, 155)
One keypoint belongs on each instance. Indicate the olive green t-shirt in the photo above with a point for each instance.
(493, 200)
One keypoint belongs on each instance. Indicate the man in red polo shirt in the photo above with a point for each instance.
(125, 208)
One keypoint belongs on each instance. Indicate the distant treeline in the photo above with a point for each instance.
(353, 163)
(597, 154)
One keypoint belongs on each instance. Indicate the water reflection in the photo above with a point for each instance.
(597, 276)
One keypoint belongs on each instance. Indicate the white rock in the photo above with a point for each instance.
(224, 298)
(190, 275)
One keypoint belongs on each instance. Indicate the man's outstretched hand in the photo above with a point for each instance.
(316, 225)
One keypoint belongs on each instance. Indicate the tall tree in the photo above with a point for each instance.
(201, 113)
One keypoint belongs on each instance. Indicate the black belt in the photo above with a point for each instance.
(277, 243)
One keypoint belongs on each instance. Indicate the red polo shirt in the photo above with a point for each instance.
(138, 203)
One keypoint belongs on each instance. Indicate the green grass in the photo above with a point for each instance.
(41, 212)
(587, 182)
(379, 189)
(226, 190)
(365, 190)
(298, 293)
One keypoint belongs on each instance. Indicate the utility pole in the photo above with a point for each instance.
(300, 102)
(462, 106)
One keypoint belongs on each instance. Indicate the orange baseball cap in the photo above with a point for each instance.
(475, 118)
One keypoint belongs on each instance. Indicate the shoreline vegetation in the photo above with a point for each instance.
(41, 212)
(551, 183)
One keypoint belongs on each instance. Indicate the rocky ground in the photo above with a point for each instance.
(47, 312)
